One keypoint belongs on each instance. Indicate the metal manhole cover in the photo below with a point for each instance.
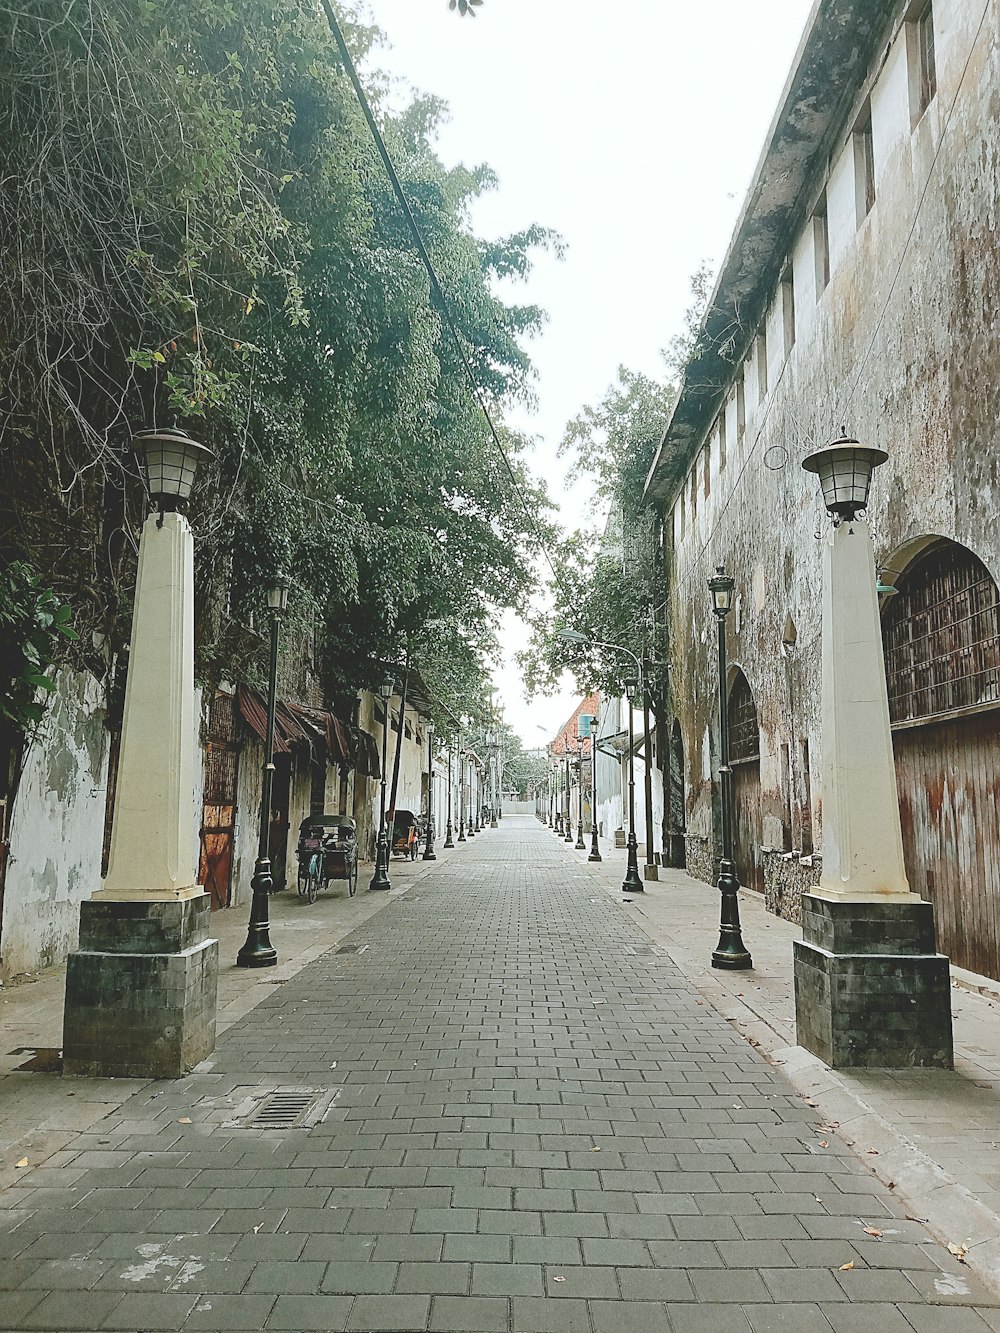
(283, 1108)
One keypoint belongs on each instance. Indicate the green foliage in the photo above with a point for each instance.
(33, 623)
(203, 234)
(465, 6)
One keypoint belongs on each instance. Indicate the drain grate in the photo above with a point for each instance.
(282, 1108)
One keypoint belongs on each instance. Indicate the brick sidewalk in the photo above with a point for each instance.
(537, 1123)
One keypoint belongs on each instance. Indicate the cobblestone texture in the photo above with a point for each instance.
(539, 1126)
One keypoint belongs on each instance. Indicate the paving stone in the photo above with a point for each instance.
(303, 1314)
(150, 1310)
(282, 1277)
(635, 1317)
(355, 1276)
(61, 1309)
(469, 1314)
(376, 1314)
(445, 1279)
(790, 1318)
(508, 1280)
(534, 1315)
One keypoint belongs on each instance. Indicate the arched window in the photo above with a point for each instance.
(942, 636)
(744, 733)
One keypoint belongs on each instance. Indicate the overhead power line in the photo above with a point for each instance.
(436, 290)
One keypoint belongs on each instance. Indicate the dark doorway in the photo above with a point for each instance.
(676, 820)
(744, 759)
(277, 842)
(219, 812)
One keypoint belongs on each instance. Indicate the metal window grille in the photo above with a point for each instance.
(942, 637)
(744, 732)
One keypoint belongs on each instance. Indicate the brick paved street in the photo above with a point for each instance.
(537, 1124)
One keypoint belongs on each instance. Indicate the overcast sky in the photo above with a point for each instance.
(631, 127)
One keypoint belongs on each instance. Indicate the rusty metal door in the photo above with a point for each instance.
(948, 777)
(744, 760)
(942, 655)
(219, 815)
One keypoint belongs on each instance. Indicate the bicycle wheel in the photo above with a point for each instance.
(303, 877)
(352, 880)
(312, 880)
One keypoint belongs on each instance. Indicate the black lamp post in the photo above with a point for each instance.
(495, 767)
(471, 824)
(258, 951)
(632, 882)
(380, 879)
(731, 951)
(449, 840)
(581, 846)
(429, 853)
(595, 849)
(567, 799)
(461, 795)
(557, 773)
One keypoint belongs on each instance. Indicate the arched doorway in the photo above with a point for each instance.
(676, 820)
(941, 635)
(744, 760)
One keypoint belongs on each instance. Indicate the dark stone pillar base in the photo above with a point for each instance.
(870, 989)
(141, 990)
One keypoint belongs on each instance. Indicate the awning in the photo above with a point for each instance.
(296, 724)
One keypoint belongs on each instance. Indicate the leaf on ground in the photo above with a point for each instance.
(872, 1152)
(959, 1251)
(184, 1120)
(21, 1163)
(823, 1143)
(257, 1227)
(558, 1279)
(846, 1268)
(872, 1231)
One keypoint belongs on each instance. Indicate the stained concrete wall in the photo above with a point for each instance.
(899, 346)
(57, 831)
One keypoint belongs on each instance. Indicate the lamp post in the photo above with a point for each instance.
(494, 763)
(632, 883)
(472, 818)
(257, 950)
(162, 1020)
(429, 853)
(581, 846)
(595, 849)
(855, 1005)
(557, 775)
(449, 840)
(380, 879)
(730, 952)
(568, 799)
(461, 794)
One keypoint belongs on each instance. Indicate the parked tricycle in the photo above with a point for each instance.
(327, 850)
(405, 834)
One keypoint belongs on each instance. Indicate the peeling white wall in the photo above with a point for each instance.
(57, 829)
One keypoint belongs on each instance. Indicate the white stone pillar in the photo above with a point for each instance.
(153, 841)
(862, 842)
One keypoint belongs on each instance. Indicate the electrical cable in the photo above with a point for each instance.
(436, 290)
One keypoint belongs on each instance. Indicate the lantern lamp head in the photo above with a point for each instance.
(631, 686)
(845, 467)
(721, 586)
(386, 688)
(169, 459)
(277, 595)
(430, 728)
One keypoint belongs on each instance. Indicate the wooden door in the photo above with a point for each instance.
(948, 777)
(744, 760)
(941, 635)
(219, 811)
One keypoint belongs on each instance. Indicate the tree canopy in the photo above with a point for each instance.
(197, 230)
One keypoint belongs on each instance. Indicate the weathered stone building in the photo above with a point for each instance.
(860, 289)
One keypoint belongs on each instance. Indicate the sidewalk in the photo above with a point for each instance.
(932, 1136)
(39, 1117)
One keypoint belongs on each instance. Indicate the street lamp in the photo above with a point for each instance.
(855, 1005)
(581, 846)
(568, 798)
(495, 766)
(380, 879)
(169, 459)
(257, 950)
(595, 849)
(449, 840)
(632, 882)
(429, 853)
(731, 952)
(461, 795)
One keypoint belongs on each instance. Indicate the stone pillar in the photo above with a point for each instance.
(141, 989)
(870, 988)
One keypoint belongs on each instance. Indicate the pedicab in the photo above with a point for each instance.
(327, 850)
(405, 834)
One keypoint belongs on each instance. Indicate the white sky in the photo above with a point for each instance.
(632, 129)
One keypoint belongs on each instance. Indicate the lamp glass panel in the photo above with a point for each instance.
(170, 468)
(845, 476)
